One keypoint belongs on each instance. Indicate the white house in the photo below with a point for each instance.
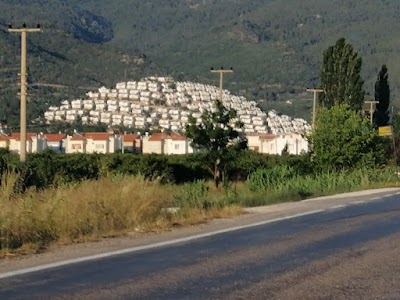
(177, 144)
(55, 142)
(101, 142)
(76, 144)
(274, 144)
(131, 143)
(34, 143)
(162, 143)
(4, 141)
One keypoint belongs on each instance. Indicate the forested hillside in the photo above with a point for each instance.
(70, 57)
(274, 46)
(269, 42)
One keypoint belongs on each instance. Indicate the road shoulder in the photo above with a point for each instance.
(259, 215)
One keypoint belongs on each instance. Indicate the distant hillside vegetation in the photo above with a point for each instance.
(274, 46)
(66, 60)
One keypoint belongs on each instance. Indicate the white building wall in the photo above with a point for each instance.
(174, 147)
(152, 146)
(33, 145)
(296, 143)
(254, 142)
(94, 146)
(75, 146)
(4, 144)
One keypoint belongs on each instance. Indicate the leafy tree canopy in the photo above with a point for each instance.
(382, 94)
(343, 139)
(340, 76)
(218, 136)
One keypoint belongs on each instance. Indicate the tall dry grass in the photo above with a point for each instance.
(92, 209)
(8, 183)
(118, 205)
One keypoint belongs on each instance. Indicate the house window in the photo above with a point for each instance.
(176, 146)
(76, 146)
(99, 146)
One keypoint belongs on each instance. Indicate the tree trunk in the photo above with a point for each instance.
(216, 173)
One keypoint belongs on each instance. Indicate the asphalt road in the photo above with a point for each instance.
(343, 252)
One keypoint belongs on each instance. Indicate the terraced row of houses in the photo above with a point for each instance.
(158, 143)
(99, 142)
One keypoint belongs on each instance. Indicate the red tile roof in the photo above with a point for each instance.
(17, 136)
(4, 137)
(54, 137)
(159, 136)
(78, 137)
(177, 137)
(98, 136)
(130, 137)
(268, 137)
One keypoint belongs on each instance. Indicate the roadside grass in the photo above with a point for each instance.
(108, 207)
(282, 184)
(121, 205)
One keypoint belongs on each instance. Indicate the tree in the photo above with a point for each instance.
(382, 94)
(218, 137)
(344, 139)
(340, 77)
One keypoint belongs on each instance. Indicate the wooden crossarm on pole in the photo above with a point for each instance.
(221, 78)
(371, 110)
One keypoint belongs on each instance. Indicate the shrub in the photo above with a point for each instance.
(264, 179)
(193, 195)
(342, 138)
(155, 168)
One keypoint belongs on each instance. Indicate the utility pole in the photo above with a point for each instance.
(315, 91)
(371, 110)
(23, 94)
(221, 78)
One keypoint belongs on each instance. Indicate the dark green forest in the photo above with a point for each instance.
(274, 46)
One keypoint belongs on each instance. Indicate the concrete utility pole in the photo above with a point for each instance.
(371, 110)
(221, 78)
(23, 31)
(315, 91)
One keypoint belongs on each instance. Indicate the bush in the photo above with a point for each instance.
(193, 195)
(343, 139)
(264, 179)
(155, 168)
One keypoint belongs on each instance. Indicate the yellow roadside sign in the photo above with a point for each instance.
(385, 131)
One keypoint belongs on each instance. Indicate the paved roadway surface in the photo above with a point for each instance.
(335, 248)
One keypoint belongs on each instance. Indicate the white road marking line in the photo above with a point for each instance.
(338, 206)
(151, 246)
(388, 196)
(358, 202)
(374, 199)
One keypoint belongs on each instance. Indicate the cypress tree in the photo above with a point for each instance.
(382, 94)
(340, 76)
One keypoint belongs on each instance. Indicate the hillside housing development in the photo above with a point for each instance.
(157, 103)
